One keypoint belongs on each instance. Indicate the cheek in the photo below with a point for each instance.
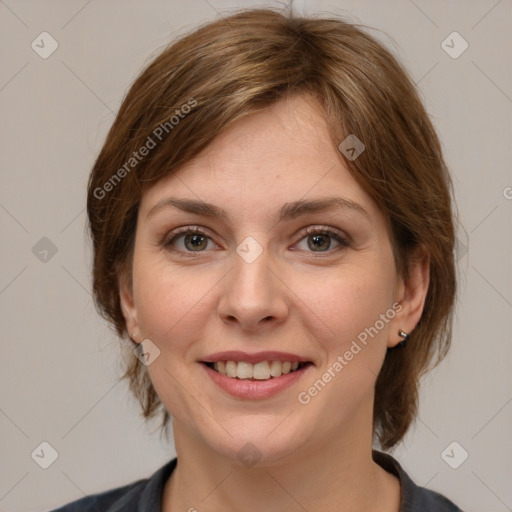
(170, 308)
(156, 290)
(346, 302)
(170, 301)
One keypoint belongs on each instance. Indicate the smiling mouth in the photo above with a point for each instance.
(264, 370)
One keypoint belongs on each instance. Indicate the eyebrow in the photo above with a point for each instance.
(288, 210)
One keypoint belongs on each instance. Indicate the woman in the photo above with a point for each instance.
(272, 229)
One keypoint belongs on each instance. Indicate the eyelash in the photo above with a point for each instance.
(311, 230)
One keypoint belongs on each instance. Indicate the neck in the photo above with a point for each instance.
(329, 476)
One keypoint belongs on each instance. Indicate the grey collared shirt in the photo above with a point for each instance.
(146, 495)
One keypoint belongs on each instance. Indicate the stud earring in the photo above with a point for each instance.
(405, 338)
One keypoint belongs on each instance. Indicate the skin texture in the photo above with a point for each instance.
(293, 298)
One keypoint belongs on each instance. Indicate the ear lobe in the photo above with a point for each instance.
(413, 293)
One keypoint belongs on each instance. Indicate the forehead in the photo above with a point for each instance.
(280, 154)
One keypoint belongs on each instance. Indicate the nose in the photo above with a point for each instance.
(254, 297)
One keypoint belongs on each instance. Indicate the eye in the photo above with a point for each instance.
(190, 239)
(319, 239)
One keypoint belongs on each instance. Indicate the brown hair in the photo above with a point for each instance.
(235, 66)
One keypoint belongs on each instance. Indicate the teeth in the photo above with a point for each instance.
(259, 371)
(244, 370)
(231, 368)
(275, 369)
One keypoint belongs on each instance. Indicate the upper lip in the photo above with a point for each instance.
(256, 357)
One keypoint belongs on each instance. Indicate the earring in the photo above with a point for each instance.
(405, 338)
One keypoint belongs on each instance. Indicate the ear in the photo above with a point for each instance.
(411, 294)
(128, 306)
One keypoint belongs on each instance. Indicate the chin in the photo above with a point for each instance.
(257, 441)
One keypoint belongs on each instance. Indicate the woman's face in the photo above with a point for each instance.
(265, 275)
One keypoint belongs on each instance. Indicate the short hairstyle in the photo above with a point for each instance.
(201, 84)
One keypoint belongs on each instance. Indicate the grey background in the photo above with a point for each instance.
(59, 361)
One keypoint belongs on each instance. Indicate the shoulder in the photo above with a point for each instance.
(144, 494)
(413, 497)
(107, 501)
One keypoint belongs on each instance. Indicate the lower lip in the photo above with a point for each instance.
(255, 389)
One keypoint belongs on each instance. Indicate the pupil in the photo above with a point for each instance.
(196, 241)
(319, 239)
